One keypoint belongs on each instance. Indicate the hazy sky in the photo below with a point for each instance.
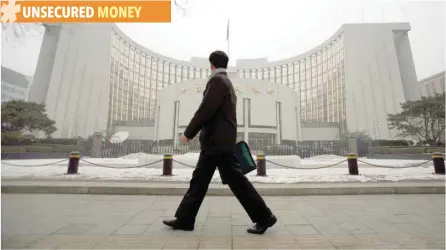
(275, 29)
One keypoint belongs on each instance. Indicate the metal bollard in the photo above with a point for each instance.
(261, 164)
(352, 161)
(167, 164)
(73, 162)
(438, 160)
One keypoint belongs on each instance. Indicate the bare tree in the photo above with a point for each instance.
(15, 33)
(181, 6)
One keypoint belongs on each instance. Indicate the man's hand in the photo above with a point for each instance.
(184, 139)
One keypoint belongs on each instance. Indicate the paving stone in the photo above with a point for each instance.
(215, 243)
(80, 242)
(158, 228)
(75, 229)
(59, 241)
(326, 226)
(302, 229)
(130, 222)
(118, 241)
(182, 243)
(241, 220)
(354, 227)
(21, 241)
(226, 213)
(132, 229)
(313, 242)
(218, 227)
(198, 231)
(380, 226)
(146, 217)
(410, 228)
(289, 218)
(149, 242)
(6, 237)
(238, 230)
(279, 231)
(346, 242)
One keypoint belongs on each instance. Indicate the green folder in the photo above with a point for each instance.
(247, 163)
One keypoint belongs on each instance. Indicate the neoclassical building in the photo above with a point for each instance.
(93, 76)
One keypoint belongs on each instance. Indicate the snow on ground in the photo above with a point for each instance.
(119, 169)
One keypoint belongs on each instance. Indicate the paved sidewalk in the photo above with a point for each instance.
(130, 222)
(130, 187)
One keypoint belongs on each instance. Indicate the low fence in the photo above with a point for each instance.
(351, 159)
(302, 149)
(33, 156)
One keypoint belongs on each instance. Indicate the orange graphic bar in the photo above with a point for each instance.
(91, 11)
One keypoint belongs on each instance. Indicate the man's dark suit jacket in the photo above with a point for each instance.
(216, 117)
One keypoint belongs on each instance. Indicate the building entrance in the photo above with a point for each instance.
(261, 139)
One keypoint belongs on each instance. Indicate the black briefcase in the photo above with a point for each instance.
(247, 163)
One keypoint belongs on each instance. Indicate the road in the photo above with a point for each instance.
(135, 222)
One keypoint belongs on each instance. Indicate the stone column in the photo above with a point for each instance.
(352, 145)
(175, 122)
(278, 124)
(96, 148)
(246, 118)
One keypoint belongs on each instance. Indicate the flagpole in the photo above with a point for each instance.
(227, 37)
(228, 47)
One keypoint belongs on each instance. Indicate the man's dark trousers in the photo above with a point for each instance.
(242, 188)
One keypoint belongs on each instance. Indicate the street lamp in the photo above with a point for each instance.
(377, 130)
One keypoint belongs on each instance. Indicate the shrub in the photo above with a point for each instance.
(39, 148)
(12, 138)
(405, 150)
(64, 148)
(389, 143)
(13, 149)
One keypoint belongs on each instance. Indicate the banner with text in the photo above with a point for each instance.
(133, 11)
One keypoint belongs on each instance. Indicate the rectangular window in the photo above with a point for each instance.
(246, 73)
(284, 74)
(185, 71)
(137, 56)
(272, 74)
(132, 53)
(164, 67)
(278, 74)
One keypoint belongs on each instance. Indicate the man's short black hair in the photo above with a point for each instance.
(219, 59)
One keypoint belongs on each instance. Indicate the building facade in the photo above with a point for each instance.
(14, 85)
(267, 113)
(354, 79)
(432, 85)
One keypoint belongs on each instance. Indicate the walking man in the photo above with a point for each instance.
(216, 118)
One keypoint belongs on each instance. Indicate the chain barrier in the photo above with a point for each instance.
(395, 167)
(184, 164)
(193, 166)
(104, 166)
(320, 167)
(38, 165)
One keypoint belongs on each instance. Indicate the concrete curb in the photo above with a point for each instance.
(128, 188)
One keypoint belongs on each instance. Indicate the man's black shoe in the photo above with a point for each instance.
(178, 225)
(261, 228)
